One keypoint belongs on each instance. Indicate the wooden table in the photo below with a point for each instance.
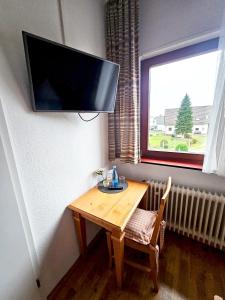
(110, 211)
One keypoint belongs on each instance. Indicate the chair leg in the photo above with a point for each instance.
(110, 250)
(153, 259)
(162, 236)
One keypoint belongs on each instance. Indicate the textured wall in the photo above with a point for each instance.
(11, 234)
(55, 153)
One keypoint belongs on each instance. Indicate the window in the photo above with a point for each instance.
(176, 98)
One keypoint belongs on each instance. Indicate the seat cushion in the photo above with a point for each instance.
(140, 226)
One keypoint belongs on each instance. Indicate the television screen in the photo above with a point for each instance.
(65, 79)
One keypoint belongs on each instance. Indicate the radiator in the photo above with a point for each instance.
(193, 213)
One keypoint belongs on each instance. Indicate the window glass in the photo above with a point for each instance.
(180, 101)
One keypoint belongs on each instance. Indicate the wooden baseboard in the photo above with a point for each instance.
(61, 283)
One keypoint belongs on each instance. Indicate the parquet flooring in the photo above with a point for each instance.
(188, 270)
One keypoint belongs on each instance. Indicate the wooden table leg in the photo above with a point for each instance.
(110, 250)
(118, 247)
(144, 201)
(81, 232)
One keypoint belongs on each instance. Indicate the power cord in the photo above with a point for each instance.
(85, 120)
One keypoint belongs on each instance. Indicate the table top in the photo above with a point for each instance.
(110, 210)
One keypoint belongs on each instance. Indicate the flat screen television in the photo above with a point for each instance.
(65, 79)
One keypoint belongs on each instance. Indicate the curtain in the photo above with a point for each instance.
(122, 48)
(214, 161)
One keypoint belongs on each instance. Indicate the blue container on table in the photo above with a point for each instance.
(115, 178)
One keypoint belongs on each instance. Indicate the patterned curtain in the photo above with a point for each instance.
(122, 48)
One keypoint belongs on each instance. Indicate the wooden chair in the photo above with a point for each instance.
(142, 233)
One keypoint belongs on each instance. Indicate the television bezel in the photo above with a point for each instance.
(25, 34)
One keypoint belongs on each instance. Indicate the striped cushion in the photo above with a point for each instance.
(140, 226)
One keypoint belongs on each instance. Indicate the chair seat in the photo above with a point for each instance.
(140, 226)
(143, 232)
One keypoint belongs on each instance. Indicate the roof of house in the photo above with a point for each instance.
(159, 120)
(200, 115)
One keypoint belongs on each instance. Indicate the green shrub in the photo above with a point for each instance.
(182, 147)
(194, 141)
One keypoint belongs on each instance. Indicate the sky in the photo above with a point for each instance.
(170, 82)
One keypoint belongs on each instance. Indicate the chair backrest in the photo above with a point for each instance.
(164, 199)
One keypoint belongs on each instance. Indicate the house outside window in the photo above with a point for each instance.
(176, 100)
(199, 117)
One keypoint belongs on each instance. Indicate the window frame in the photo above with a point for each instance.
(191, 160)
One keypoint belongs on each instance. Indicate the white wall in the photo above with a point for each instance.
(19, 271)
(55, 153)
(167, 23)
(180, 176)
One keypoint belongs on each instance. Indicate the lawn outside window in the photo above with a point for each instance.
(176, 99)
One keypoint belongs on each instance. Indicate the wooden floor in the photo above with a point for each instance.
(188, 270)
